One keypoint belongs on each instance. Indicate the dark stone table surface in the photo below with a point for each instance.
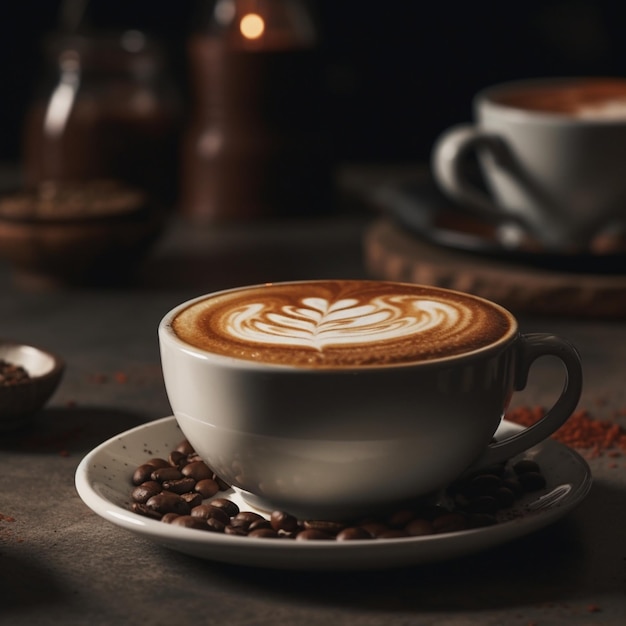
(61, 564)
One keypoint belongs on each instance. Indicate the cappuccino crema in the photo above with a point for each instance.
(600, 99)
(342, 323)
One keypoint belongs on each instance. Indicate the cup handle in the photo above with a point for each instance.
(532, 346)
(449, 167)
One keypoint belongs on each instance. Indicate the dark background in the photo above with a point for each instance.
(397, 72)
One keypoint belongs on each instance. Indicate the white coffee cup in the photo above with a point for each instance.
(552, 153)
(336, 398)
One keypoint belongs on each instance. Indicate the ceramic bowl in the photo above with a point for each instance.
(59, 234)
(19, 402)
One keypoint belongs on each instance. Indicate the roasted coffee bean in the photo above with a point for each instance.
(207, 511)
(234, 530)
(185, 447)
(374, 528)
(514, 485)
(216, 525)
(206, 487)
(399, 519)
(168, 518)
(180, 485)
(353, 532)
(258, 524)
(451, 522)
(168, 502)
(311, 534)
(526, 465)
(142, 474)
(325, 526)
(157, 462)
(142, 509)
(192, 499)
(198, 470)
(419, 527)
(505, 497)
(264, 533)
(146, 490)
(177, 458)
(188, 521)
(166, 473)
(483, 485)
(229, 507)
(283, 521)
(532, 481)
(243, 519)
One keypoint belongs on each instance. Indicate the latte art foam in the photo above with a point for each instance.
(318, 323)
(341, 323)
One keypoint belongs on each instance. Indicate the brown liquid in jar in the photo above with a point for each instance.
(112, 114)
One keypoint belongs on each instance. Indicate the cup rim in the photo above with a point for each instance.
(167, 334)
(483, 100)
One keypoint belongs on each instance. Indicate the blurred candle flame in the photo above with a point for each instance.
(252, 26)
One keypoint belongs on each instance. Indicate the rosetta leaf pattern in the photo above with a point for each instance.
(317, 322)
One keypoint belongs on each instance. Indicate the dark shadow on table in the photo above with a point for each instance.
(69, 431)
(28, 585)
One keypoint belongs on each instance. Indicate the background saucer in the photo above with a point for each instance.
(418, 205)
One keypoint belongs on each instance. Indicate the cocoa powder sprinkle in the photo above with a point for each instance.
(582, 431)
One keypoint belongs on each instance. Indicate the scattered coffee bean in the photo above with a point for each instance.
(182, 491)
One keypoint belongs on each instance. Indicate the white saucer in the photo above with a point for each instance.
(103, 481)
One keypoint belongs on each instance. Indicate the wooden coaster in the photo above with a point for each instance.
(392, 253)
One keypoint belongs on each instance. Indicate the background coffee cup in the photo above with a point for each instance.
(552, 154)
(336, 441)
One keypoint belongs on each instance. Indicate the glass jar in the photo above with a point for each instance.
(255, 144)
(106, 107)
